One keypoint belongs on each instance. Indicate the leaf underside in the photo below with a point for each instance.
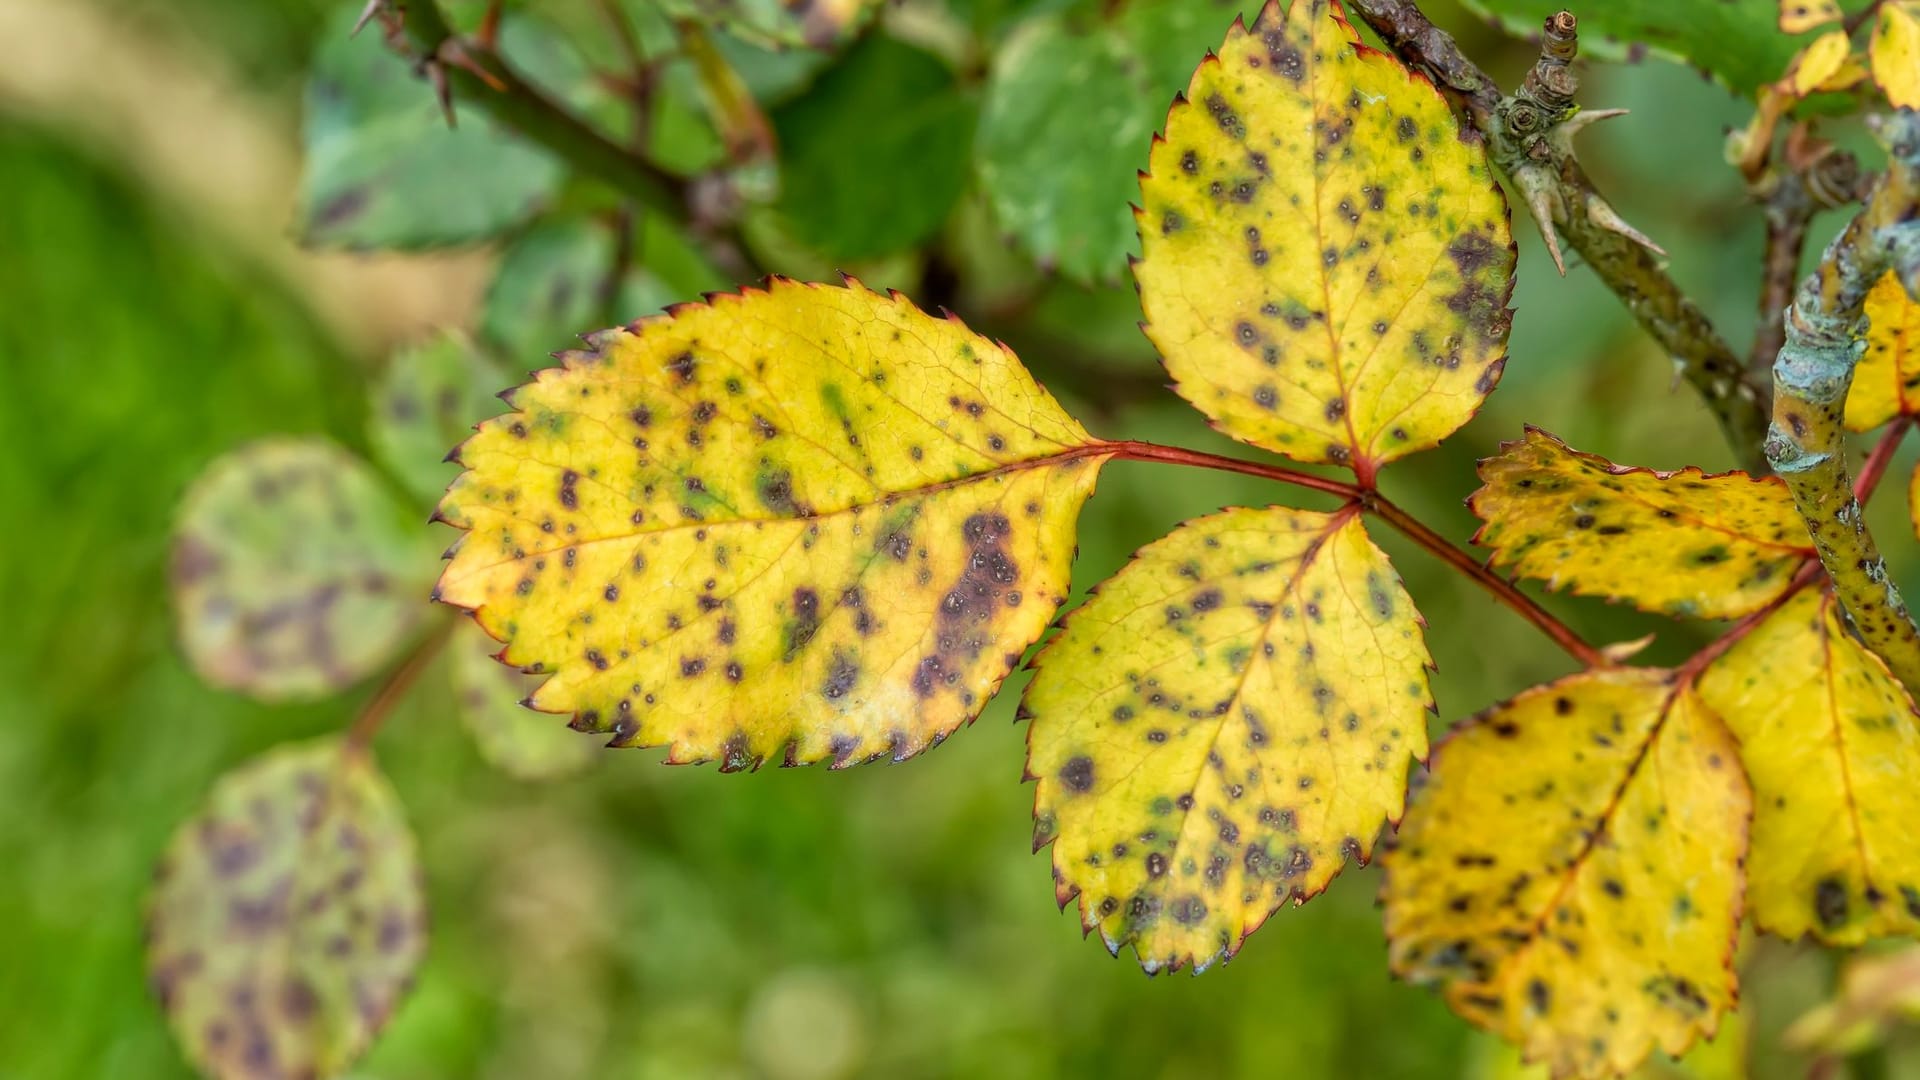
(1325, 259)
(796, 524)
(1681, 543)
(1223, 727)
(1569, 873)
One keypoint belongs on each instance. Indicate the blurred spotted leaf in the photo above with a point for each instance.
(1325, 257)
(1895, 52)
(1877, 993)
(1799, 16)
(1070, 108)
(802, 523)
(1886, 382)
(1569, 874)
(1828, 738)
(288, 916)
(428, 398)
(554, 280)
(1684, 543)
(817, 24)
(295, 571)
(513, 738)
(1225, 725)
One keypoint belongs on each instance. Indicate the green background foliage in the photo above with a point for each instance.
(641, 921)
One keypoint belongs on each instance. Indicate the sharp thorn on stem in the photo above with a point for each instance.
(373, 8)
(1605, 216)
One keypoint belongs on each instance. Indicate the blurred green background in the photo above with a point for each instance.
(156, 311)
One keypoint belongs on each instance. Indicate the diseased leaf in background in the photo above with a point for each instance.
(1799, 16)
(428, 398)
(1723, 1057)
(294, 571)
(1876, 993)
(1070, 109)
(876, 154)
(1223, 727)
(807, 523)
(1682, 543)
(1828, 739)
(1886, 382)
(1326, 263)
(288, 916)
(511, 737)
(818, 24)
(1895, 51)
(552, 283)
(1569, 873)
(1738, 42)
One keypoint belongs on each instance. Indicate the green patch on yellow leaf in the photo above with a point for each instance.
(1223, 727)
(1895, 52)
(1325, 259)
(1886, 382)
(287, 916)
(803, 523)
(1828, 738)
(1683, 543)
(295, 571)
(1569, 873)
(513, 738)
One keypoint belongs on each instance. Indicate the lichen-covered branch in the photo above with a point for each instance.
(1811, 377)
(1530, 136)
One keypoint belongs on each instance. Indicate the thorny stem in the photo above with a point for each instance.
(1811, 377)
(378, 707)
(1406, 524)
(1530, 136)
(1813, 176)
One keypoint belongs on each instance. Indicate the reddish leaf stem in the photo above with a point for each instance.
(378, 707)
(1409, 526)
(1879, 458)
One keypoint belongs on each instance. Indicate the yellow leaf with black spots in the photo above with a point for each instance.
(1799, 16)
(1568, 875)
(1886, 381)
(1223, 727)
(1325, 259)
(1827, 735)
(802, 523)
(1895, 53)
(1682, 543)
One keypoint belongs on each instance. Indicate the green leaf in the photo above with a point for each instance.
(1069, 111)
(818, 24)
(1738, 42)
(511, 737)
(295, 571)
(287, 917)
(552, 283)
(428, 399)
(876, 154)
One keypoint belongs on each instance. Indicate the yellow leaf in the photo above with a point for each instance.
(287, 917)
(1817, 64)
(1828, 738)
(1223, 726)
(803, 523)
(1895, 51)
(1886, 383)
(1799, 16)
(1569, 873)
(1683, 543)
(1325, 258)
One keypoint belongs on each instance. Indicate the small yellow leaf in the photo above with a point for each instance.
(287, 917)
(1886, 383)
(1799, 16)
(1569, 873)
(1325, 257)
(512, 738)
(1828, 738)
(1817, 64)
(1223, 727)
(1683, 543)
(802, 523)
(1895, 51)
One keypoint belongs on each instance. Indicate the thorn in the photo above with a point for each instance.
(1608, 218)
(366, 16)
(1542, 202)
(488, 34)
(452, 52)
(1580, 121)
(442, 90)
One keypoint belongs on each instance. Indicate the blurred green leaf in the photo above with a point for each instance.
(552, 287)
(426, 401)
(295, 572)
(819, 24)
(287, 916)
(511, 737)
(876, 153)
(1070, 109)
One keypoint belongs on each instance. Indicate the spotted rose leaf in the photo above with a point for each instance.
(288, 916)
(1799, 16)
(1886, 383)
(1223, 727)
(1829, 741)
(1325, 260)
(512, 738)
(295, 571)
(1895, 53)
(1684, 543)
(805, 523)
(1569, 873)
